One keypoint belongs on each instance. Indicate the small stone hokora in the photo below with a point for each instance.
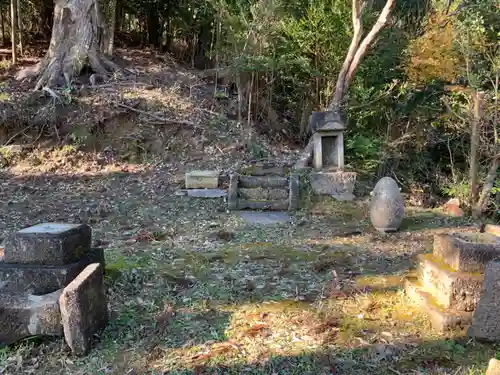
(386, 206)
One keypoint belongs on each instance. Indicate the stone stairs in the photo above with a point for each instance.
(450, 279)
(266, 188)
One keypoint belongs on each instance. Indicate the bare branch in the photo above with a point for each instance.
(363, 48)
(340, 86)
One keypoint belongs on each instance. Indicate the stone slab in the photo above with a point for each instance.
(486, 321)
(84, 309)
(265, 218)
(202, 179)
(451, 289)
(23, 315)
(466, 252)
(325, 120)
(206, 193)
(441, 319)
(39, 280)
(52, 244)
(339, 185)
(493, 367)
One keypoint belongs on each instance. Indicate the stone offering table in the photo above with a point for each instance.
(42, 269)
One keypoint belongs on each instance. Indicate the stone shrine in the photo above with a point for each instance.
(52, 283)
(450, 281)
(329, 177)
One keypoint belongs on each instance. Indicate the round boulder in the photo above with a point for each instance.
(387, 206)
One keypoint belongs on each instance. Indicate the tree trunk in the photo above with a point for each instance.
(3, 28)
(20, 27)
(110, 35)
(13, 29)
(75, 44)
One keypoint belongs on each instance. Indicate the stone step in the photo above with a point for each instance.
(259, 193)
(269, 182)
(467, 252)
(450, 288)
(441, 319)
(23, 315)
(265, 171)
(281, 205)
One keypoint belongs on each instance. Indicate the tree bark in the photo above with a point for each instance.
(478, 99)
(20, 27)
(13, 29)
(75, 43)
(110, 37)
(480, 207)
(3, 27)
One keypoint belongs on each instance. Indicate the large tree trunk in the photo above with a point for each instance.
(13, 29)
(75, 43)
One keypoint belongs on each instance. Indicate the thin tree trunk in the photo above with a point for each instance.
(13, 29)
(111, 28)
(20, 28)
(480, 207)
(3, 27)
(474, 165)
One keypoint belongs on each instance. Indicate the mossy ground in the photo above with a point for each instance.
(310, 297)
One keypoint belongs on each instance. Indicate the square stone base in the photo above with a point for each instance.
(339, 185)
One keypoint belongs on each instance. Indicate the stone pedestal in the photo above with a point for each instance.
(37, 266)
(339, 185)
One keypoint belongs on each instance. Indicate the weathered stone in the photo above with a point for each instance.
(53, 244)
(23, 315)
(202, 179)
(486, 321)
(269, 182)
(493, 367)
(38, 280)
(259, 193)
(339, 185)
(450, 288)
(492, 229)
(84, 309)
(293, 192)
(325, 120)
(281, 205)
(441, 319)
(232, 194)
(387, 206)
(466, 252)
(264, 170)
(328, 150)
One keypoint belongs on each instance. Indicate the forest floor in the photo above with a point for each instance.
(193, 289)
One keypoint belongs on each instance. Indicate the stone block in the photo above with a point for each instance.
(387, 206)
(84, 309)
(202, 179)
(493, 367)
(339, 185)
(39, 280)
(441, 319)
(466, 252)
(281, 205)
(51, 244)
(450, 288)
(486, 321)
(206, 193)
(23, 315)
